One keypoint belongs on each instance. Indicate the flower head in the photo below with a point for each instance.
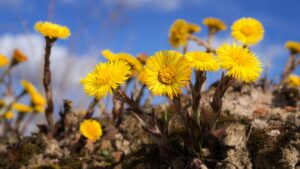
(293, 46)
(202, 61)
(22, 108)
(91, 129)
(19, 57)
(8, 115)
(248, 31)
(239, 62)
(105, 78)
(214, 24)
(180, 31)
(3, 61)
(37, 99)
(166, 72)
(134, 63)
(52, 30)
(28, 87)
(294, 81)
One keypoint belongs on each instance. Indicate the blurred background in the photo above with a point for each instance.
(133, 26)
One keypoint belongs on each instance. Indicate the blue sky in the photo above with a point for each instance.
(136, 26)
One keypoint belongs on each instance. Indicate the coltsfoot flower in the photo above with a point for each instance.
(105, 78)
(293, 46)
(202, 61)
(91, 129)
(22, 108)
(239, 62)
(180, 31)
(38, 101)
(134, 63)
(294, 81)
(3, 60)
(28, 86)
(166, 72)
(248, 31)
(8, 115)
(214, 24)
(52, 30)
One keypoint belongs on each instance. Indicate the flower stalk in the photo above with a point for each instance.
(47, 82)
(217, 103)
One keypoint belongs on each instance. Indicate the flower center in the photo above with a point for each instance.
(247, 30)
(167, 76)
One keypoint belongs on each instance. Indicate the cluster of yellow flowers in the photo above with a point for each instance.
(249, 31)
(166, 72)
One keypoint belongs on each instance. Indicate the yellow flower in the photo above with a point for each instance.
(293, 46)
(91, 129)
(202, 61)
(180, 31)
(214, 24)
(134, 63)
(294, 81)
(141, 77)
(52, 30)
(37, 99)
(8, 115)
(19, 56)
(248, 31)
(105, 78)
(22, 108)
(28, 87)
(38, 109)
(166, 72)
(239, 62)
(3, 60)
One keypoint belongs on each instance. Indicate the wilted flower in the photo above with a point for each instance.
(18, 57)
(52, 30)
(105, 78)
(248, 31)
(293, 46)
(239, 62)
(91, 129)
(166, 72)
(202, 61)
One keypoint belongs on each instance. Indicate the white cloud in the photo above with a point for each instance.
(67, 68)
(164, 5)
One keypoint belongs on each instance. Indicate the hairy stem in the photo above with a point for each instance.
(217, 103)
(196, 94)
(47, 83)
(91, 108)
(289, 68)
